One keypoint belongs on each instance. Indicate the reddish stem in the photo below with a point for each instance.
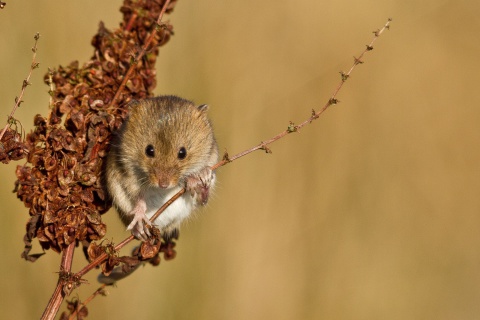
(131, 21)
(58, 295)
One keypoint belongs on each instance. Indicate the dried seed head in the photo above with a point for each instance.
(60, 184)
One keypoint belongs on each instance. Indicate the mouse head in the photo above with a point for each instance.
(166, 139)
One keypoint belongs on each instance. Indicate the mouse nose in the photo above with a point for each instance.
(163, 184)
(164, 178)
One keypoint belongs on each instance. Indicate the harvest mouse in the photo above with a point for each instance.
(164, 145)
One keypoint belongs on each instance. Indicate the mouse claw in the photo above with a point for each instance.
(199, 185)
(140, 229)
(140, 223)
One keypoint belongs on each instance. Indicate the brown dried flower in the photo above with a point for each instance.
(11, 146)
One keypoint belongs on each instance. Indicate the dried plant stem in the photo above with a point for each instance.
(60, 290)
(315, 115)
(25, 83)
(140, 54)
(262, 146)
(129, 25)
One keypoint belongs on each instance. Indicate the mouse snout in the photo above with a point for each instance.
(163, 184)
(165, 178)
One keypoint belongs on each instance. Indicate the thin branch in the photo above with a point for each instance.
(25, 83)
(315, 115)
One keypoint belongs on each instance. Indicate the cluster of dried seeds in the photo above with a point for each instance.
(61, 182)
(12, 146)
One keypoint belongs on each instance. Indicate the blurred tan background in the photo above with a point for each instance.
(372, 212)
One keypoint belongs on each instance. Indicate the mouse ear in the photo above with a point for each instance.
(203, 107)
(132, 104)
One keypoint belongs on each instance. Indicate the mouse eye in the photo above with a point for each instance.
(182, 153)
(150, 151)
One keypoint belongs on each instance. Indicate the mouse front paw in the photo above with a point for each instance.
(140, 222)
(199, 184)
